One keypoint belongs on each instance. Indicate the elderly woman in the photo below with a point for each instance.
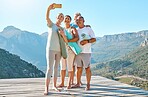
(70, 36)
(53, 49)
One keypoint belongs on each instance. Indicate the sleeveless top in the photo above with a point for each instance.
(73, 45)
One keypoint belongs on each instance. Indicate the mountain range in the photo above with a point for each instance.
(31, 46)
(110, 47)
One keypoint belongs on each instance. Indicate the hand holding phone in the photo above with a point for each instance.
(57, 5)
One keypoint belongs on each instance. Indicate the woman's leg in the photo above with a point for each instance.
(62, 72)
(57, 62)
(73, 74)
(70, 62)
(69, 79)
(50, 61)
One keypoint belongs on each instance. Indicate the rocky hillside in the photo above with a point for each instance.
(111, 47)
(145, 42)
(135, 63)
(11, 66)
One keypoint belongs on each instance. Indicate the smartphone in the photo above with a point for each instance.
(57, 5)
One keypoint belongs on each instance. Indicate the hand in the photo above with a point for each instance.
(83, 42)
(61, 31)
(51, 6)
(87, 26)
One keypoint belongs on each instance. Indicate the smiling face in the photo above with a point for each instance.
(80, 21)
(60, 18)
(76, 16)
(67, 19)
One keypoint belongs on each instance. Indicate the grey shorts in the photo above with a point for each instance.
(83, 60)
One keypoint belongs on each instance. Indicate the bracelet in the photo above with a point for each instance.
(88, 41)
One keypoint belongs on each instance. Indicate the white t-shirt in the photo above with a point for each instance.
(85, 34)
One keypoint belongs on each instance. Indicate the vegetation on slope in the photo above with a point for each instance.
(11, 66)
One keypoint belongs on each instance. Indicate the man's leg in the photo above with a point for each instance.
(86, 59)
(78, 75)
(73, 73)
(88, 77)
(81, 80)
(78, 60)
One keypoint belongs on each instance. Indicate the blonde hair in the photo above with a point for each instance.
(59, 14)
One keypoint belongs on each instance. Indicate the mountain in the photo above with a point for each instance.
(11, 66)
(31, 47)
(134, 63)
(111, 47)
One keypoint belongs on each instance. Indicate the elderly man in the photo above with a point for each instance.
(86, 38)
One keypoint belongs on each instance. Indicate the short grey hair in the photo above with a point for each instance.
(79, 14)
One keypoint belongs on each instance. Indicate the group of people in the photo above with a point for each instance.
(70, 45)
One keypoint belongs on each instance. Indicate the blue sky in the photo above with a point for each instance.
(106, 17)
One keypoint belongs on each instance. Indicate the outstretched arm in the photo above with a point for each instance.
(49, 22)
